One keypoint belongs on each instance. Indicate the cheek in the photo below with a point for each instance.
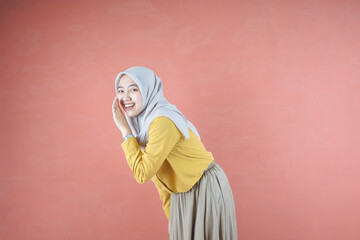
(139, 101)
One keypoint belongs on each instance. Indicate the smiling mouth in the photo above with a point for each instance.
(129, 106)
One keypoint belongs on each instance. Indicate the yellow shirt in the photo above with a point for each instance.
(173, 163)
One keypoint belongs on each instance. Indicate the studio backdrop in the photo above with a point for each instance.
(272, 87)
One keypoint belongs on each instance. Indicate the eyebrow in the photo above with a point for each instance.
(131, 85)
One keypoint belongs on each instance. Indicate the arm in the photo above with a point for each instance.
(163, 135)
(165, 198)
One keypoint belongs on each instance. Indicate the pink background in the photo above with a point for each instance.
(272, 86)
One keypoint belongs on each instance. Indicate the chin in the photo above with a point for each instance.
(131, 114)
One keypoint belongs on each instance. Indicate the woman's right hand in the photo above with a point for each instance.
(119, 117)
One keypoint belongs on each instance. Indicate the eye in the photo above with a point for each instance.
(120, 91)
(133, 90)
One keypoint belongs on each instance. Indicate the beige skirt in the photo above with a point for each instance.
(206, 211)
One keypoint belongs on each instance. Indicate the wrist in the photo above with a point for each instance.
(125, 132)
(127, 136)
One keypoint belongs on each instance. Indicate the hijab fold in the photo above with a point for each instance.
(154, 105)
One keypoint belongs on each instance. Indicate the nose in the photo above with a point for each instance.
(125, 96)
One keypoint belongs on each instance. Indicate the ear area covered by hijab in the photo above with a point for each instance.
(154, 105)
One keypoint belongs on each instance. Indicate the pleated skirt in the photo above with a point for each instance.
(206, 211)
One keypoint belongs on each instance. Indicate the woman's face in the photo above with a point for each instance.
(129, 95)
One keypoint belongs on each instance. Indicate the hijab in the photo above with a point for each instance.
(154, 105)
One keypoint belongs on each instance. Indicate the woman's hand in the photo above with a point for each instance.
(119, 118)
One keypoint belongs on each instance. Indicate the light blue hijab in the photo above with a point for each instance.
(154, 105)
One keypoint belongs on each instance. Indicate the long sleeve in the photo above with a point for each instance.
(163, 135)
(164, 196)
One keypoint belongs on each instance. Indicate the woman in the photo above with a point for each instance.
(162, 145)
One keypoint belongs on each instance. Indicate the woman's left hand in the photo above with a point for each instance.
(119, 118)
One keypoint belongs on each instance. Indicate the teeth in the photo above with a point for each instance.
(129, 105)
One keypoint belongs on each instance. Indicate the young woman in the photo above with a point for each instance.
(161, 145)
